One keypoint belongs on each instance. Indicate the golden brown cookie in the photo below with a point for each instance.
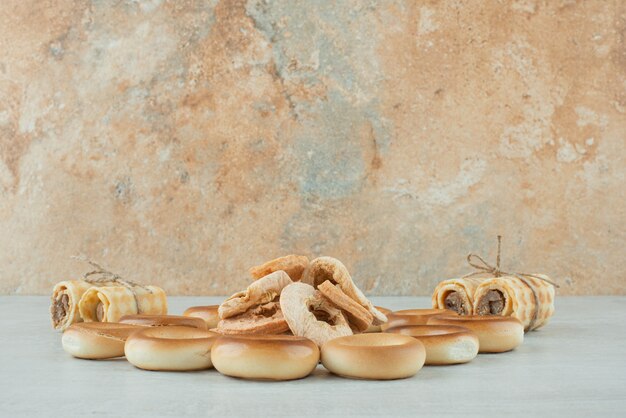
(444, 344)
(170, 348)
(412, 317)
(265, 357)
(206, 313)
(97, 340)
(163, 321)
(377, 356)
(496, 334)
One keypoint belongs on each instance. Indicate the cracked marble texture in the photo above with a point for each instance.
(181, 142)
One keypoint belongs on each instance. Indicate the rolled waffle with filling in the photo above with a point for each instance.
(456, 295)
(64, 303)
(109, 304)
(527, 298)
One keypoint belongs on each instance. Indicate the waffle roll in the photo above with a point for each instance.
(110, 303)
(456, 295)
(64, 303)
(529, 298)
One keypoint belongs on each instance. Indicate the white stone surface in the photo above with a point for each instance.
(576, 366)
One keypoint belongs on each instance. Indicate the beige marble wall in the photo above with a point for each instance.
(181, 142)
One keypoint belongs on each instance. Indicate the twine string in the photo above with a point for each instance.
(483, 267)
(105, 276)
